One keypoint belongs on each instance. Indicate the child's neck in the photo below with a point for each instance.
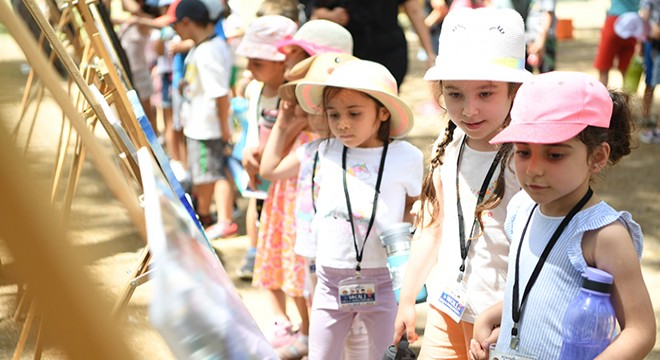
(270, 87)
(481, 144)
(202, 33)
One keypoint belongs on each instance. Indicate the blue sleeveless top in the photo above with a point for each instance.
(560, 279)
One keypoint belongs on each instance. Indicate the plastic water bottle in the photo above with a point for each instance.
(589, 323)
(396, 240)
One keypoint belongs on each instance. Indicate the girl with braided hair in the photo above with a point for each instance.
(465, 194)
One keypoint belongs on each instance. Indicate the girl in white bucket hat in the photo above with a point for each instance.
(476, 75)
(367, 181)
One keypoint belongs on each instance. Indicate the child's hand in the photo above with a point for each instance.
(478, 351)
(292, 117)
(251, 160)
(406, 318)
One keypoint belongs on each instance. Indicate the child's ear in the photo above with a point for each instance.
(599, 158)
(383, 113)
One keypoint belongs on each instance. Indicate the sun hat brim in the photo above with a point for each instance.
(256, 50)
(538, 133)
(492, 72)
(310, 98)
(310, 48)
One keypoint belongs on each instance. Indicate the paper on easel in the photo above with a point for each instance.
(195, 306)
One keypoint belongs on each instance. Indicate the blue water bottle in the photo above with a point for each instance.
(589, 323)
(396, 240)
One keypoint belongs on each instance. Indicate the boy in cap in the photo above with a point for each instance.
(205, 114)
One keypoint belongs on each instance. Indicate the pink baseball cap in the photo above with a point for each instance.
(319, 36)
(555, 107)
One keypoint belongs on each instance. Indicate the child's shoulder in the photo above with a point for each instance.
(405, 147)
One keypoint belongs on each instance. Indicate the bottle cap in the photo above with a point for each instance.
(597, 280)
(391, 234)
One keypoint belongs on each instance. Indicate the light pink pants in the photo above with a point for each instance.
(329, 325)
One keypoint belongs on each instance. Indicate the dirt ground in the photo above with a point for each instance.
(101, 230)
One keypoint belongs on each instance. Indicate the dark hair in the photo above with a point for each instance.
(330, 92)
(429, 196)
(619, 133)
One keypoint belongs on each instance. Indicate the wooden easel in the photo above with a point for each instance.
(104, 165)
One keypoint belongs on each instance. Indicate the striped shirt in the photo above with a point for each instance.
(560, 279)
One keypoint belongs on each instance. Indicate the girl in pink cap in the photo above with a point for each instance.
(559, 227)
(476, 76)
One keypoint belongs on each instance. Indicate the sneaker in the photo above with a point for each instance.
(650, 136)
(282, 333)
(245, 270)
(221, 230)
(295, 350)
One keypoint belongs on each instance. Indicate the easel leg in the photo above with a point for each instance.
(129, 288)
(25, 332)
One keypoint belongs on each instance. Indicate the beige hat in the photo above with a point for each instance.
(481, 44)
(313, 69)
(320, 36)
(365, 76)
(262, 35)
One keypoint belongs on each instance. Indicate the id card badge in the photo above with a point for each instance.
(452, 300)
(496, 355)
(357, 291)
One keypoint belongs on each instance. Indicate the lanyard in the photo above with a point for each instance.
(358, 253)
(465, 245)
(316, 160)
(516, 310)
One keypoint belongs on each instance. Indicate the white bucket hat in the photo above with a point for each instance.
(320, 36)
(481, 44)
(262, 34)
(629, 25)
(365, 76)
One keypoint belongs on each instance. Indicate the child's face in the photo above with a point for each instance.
(478, 108)
(182, 28)
(294, 55)
(556, 176)
(265, 70)
(354, 118)
(318, 124)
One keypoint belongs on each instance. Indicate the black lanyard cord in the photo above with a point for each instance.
(465, 245)
(516, 310)
(316, 160)
(358, 253)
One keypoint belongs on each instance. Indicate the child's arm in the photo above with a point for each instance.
(486, 331)
(277, 162)
(416, 15)
(222, 108)
(423, 255)
(611, 249)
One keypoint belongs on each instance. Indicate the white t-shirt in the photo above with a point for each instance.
(208, 68)
(486, 263)
(402, 175)
(305, 201)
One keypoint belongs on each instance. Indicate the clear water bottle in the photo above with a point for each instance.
(396, 240)
(589, 323)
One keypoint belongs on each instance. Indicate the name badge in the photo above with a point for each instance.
(356, 292)
(452, 300)
(496, 355)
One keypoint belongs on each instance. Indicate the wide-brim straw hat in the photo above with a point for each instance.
(365, 76)
(481, 44)
(315, 69)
